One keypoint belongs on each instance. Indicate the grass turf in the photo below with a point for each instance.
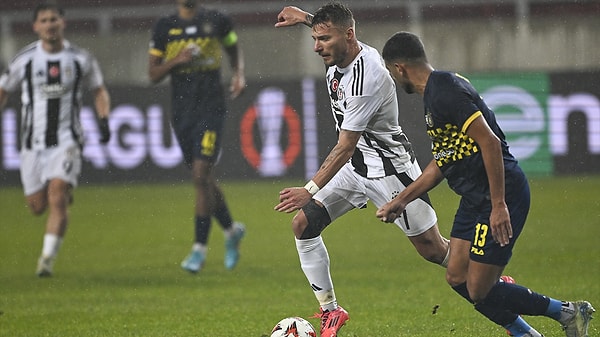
(118, 272)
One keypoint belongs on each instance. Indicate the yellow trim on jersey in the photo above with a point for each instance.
(230, 39)
(469, 121)
(156, 52)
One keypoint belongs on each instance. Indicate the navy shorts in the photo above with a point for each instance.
(199, 111)
(473, 225)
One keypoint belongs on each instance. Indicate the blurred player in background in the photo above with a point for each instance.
(372, 160)
(471, 152)
(188, 46)
(52, 74)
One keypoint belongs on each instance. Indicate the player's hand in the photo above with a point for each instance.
(186, 55)
(292, 199)
(390, 211)
(500, 225)
(290, 16)
(238, 85)
(104, 130)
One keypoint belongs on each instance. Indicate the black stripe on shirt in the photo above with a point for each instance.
(359, 77)
(53, 105)
(28, 125)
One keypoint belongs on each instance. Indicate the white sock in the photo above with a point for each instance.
(314, 261)
(198, 247)
(51, 245)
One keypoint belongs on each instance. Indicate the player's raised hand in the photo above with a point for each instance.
(292, 199)
(292, 15)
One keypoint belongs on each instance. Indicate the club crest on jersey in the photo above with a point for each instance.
(429, 119)
(337, 90)
(54, 71)
(207, 28)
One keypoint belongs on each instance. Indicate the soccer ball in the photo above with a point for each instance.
(293, 327)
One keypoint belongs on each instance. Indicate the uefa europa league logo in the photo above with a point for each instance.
(270, 106)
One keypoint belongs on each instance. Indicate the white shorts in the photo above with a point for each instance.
(38, 167)
(348, 190)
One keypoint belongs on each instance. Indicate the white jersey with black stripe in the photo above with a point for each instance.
(51, 91)
(363, 98)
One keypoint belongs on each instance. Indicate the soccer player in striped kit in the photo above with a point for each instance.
(372, 160)
(51, 74)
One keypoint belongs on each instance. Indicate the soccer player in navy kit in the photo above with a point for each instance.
(52, 74)
(470, 151)
(372, 160)
(188, 47)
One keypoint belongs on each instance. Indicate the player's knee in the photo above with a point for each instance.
(311, 221)
(454, 279)
(431, 250)
(36, 207)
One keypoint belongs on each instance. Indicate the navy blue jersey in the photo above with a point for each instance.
(198, 97)
(208, 31)
(451, 105)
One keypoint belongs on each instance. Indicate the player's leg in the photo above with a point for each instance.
(62, 172)
(233, 231)
(340, 195)
(307, 226)
(418, 221)
(432, 246)
(201, 179)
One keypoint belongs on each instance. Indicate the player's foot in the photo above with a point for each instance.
(577, 326)
(507, 279)
(44, 266)
(193, 262)
(332, 321)
(232, 245)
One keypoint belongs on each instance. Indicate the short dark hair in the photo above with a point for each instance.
(47, 6)
(334, 12)
(404, 46)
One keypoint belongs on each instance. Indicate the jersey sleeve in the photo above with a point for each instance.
(456, 103)
(227, 35)
(94, 78)
(158, 41)
(11, 78)
(360, 110)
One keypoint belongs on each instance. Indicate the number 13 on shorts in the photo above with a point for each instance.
(481, 231)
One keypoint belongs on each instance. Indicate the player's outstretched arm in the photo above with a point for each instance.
(291, 15)
(430, 178)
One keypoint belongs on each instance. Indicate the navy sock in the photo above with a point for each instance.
(517, 299)
(461, 289)
(223, 216)
(498, 316)
(202, 229)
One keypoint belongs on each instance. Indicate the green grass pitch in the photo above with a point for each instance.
(118, 271)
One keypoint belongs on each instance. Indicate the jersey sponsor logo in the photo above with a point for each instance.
(191, 30)
(443, 154)
(175, 31)
(55, 90)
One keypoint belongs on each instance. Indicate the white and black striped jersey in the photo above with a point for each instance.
(363, 98)
(51, 92)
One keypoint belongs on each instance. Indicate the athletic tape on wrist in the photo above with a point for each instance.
(311, 187)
